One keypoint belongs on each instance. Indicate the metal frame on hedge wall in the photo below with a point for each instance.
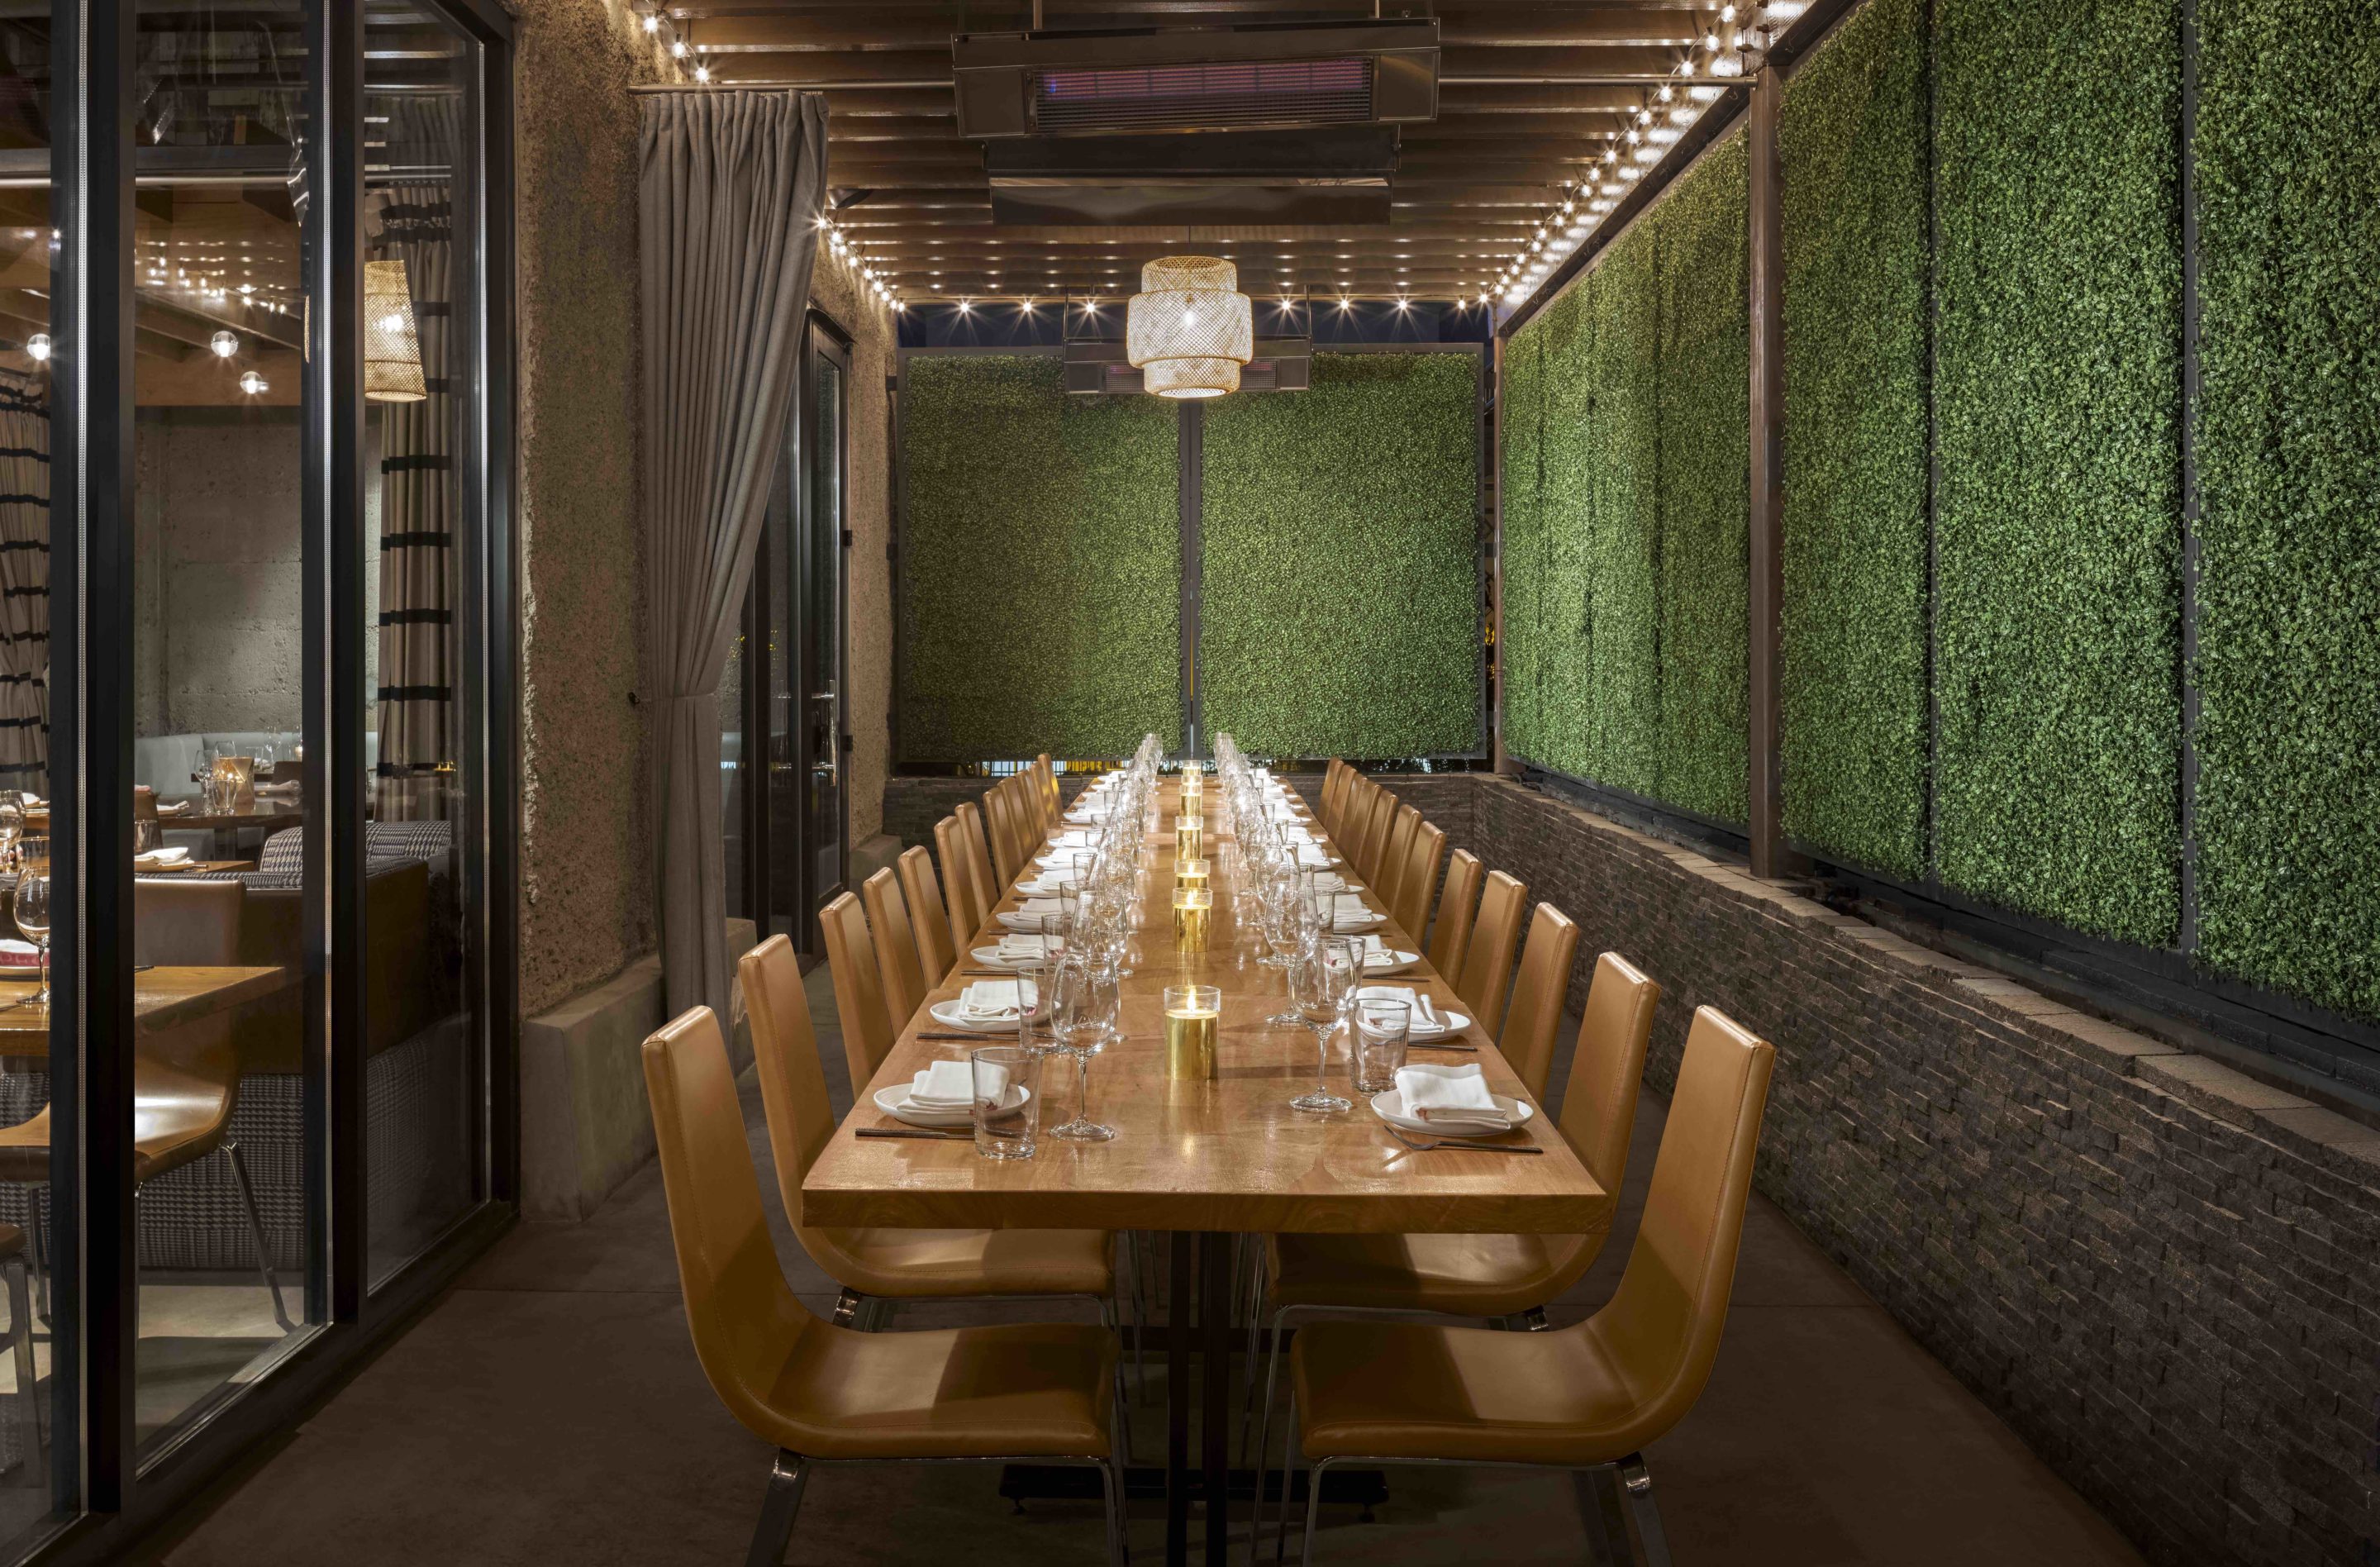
(1190, 492)
(103, 1489)
(2289, 1038)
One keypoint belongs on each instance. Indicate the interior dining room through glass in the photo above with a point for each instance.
(244, 387)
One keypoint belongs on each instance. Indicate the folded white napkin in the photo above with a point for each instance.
(1023, 949)
(1331, 881)
(1451, 1099)
(950, 1084)
(1077, 838)
(995, 1000)
(1348, 913)
(1281, 811)
(1423, 1020)
(158, 858)
(173, 808)
(1311, 854)
(1377, 954)
(1029, 914)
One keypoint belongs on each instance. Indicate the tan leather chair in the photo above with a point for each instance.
(1593, 1396)
(818, 1392)
(987, 884)
(1391, 868)
(1053, 801)
(1379, 813)
(896, 949)
(999, 816)
(1458, 902)
(937, 949)
(867, 1031)
(1495, 937)
(1359, 824)
(1538, 992)
(185, 1079)
(967, 910)
(1334, 784)
(887, 1264)
(1420, 879)
(1491, 1276)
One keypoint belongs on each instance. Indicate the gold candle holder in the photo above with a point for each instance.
(1193, 908)
(1192, 1014)
(1189, 837)
(1189, 873)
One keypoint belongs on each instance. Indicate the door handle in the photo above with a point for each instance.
(829, 765)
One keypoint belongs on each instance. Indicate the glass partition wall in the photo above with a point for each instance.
(255, 904)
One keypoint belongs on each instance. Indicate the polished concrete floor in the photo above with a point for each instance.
(550, 1410)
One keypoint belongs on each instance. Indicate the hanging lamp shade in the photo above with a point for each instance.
(391, 345)
(1189, 329)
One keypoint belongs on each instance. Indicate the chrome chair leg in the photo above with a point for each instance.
(256, 1234)
(846, 1309)
(1264, 1435)
(1600, 1510)
(1288, 1485)
(29, 1387)
(1122, 1426)
(1637, 1486)
(1256, 1340)
(787, 1476)
(1534, 1320)
(1119, 1532)
(1313, 1506)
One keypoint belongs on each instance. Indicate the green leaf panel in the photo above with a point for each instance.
(1340, 570)
(1520, 660)
(1041, 571)
(2057, 514)
(1853, 680)
(2288, 655)
(1706, 493)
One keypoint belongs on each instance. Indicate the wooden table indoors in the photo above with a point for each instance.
(1204, 1160)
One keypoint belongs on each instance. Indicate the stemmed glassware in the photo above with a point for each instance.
(12, 821)
(1082, 1019)
(1321, 979)
(32, 913)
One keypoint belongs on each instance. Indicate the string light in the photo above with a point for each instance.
(1649, 132)
(844, 246)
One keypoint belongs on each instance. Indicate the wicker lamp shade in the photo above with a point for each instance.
(1189, 329)
(391, 345)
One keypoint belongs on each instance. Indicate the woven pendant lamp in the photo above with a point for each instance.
(1189, 329)
(392, 346)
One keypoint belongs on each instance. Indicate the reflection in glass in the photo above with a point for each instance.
(219, 663)
(423, 1096)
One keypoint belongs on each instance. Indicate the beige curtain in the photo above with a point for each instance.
(24, 582)
(731, 185)
(414, 223)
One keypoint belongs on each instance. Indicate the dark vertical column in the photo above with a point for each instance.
(91, 751)
(1769, 855)
(332, 585)
(1215, 1380)
(1181, 1290)
(1190, 445)
(2188, 936)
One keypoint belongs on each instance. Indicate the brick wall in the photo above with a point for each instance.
(2163, 1274)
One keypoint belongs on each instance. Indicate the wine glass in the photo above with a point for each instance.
(12, 821)
(1321, 979)
(1083, 1017)
(33, 912)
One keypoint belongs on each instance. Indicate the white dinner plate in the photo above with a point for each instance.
(989, 957)
(1389, 1106)
(1389, 961)
(1453, 1021)
(950, 1014)
(894, 1102)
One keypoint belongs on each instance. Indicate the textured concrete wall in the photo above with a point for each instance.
(836, 288)
(217, 642)
(586, 859)
(2158, 1271)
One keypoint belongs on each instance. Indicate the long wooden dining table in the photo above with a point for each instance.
(1205, 1160)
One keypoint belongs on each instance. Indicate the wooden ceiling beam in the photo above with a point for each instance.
(875, 31)
(866, 66)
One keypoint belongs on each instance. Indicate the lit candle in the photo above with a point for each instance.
(1189, 836)
(1192, 1013)
(1189, 872)
(1192, 908)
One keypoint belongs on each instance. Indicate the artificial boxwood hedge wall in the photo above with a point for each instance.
(1340, 564)
(1626, 508)
(1854, 722)
(1040, 563)
(2023, 332)
(2289, 472)
(2058, 549)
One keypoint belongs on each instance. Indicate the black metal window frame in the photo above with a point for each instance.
(105, 1491)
